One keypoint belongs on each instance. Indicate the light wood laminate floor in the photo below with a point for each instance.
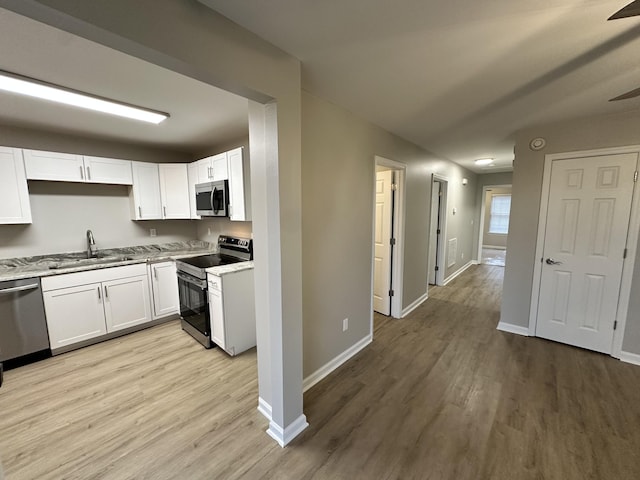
(439, 395)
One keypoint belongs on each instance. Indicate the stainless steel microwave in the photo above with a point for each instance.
(212, 198)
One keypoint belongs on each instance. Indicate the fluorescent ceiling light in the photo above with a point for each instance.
(26, 86)
(484, 161)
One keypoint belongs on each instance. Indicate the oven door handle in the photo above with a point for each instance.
(202, 284)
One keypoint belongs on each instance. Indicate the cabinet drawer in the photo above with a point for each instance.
(92, 276)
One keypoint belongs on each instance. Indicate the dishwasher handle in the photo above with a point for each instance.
(21, 288)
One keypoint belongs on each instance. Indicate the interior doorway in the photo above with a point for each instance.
(494, 224)
(388, 229)
(437, 230)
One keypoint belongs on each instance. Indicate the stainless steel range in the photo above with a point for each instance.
(192, 284)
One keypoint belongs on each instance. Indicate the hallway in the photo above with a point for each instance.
(439, 395)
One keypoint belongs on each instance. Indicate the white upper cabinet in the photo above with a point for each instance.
(192, 175)
(62, 167)
(108, 170)
(219, 167)
(205, 174)
(67, 167)
(213, 168)
(14, 193)
(239, 186)
(145, 193)
(174, 190)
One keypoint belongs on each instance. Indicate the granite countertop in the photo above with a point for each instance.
(233, 267)
(59, 263)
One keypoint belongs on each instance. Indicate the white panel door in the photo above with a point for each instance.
(382, 243)
(74, 314)
(174, 190)
(126, 302)
(108, 170)
(164, 282)
(14, 193)
(585, 237)
(145, 193)
(63, 167)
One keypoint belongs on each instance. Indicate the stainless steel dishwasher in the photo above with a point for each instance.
(23, 327)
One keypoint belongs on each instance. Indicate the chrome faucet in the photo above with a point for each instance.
(92, 250)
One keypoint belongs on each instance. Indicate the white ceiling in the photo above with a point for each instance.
(457, 77)
(201, 115)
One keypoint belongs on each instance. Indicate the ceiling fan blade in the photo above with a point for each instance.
(632, 94)
(630, 10)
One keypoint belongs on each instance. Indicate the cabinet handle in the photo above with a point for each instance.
(106, 292)
(139, 210)
(165, 211)
(210, 170)
(88, 173)
(155, 273)
(99, 295)
(81, 172)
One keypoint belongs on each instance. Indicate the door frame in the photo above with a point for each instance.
(442, 212)
(632, 243)
(397, 267)
(486, 188)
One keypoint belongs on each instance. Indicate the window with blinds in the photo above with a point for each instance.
(500, 208)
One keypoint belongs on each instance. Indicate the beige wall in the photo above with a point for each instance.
(492, 239)
(581, 134)
(63, 211)
(337, 224)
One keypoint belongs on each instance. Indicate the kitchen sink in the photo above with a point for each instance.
(80, 262)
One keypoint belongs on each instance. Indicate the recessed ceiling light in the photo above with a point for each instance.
(484, 161)
(11, 82)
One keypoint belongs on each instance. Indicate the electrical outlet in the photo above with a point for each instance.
(152, 232)
(345, 324)
(209, 231)
(462, 256)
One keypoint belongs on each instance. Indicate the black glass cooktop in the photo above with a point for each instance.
(214, 260)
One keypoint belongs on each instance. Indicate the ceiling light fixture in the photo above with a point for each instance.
(484, 161)
(11, 82)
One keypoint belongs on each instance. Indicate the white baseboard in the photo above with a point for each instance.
(475, 262)
(415, 305)
(457, 273)
(628, 357)
(284, 436)
(264, 408)
(494, 247)
(329, 367)
(510, 328)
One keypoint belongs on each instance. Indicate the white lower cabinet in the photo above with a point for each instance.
(74, 314)
(85, 305)
(164, 283)
(232, 311)
(126, 302)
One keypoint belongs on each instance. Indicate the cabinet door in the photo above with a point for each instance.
(145, 193)
(238, 205)
(74, 314)
(192, 176)
(108, 170)
(126, 302)
(219, 167)
(164, 283)
(205, 173)
(63, 167)
(14, 194)
(174, 190)
(216, 312)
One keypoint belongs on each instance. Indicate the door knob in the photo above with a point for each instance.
(551, 261)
